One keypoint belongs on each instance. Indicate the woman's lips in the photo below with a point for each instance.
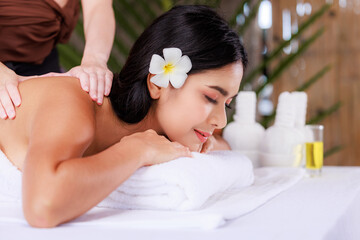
(203, 136)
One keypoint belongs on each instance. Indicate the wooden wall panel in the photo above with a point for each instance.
(340, 47)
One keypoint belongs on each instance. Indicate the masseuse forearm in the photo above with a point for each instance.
(77, 185)
(99, 28)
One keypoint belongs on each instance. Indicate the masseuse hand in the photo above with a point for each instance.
(215, 142)
(151, 148)
(95, 78)
(9, 93)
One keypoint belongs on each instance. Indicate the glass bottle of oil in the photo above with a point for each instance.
(315, 150)
(300, 99)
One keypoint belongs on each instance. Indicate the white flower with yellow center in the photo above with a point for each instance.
(173, 68)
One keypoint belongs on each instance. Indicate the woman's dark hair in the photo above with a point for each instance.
(198, 31)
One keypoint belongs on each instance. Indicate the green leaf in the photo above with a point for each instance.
(333, 150)
(119, 44)
(114, 64)
(131, 10)
(164, 4)
(148, 9)
(289, 59)
(323, 114)
(122, 22)
(69, 57)
(314, 78)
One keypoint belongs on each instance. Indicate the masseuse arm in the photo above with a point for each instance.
(95, 77)
(99, 29)
(58, 183)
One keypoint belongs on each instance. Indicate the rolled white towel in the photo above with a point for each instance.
(184, 183)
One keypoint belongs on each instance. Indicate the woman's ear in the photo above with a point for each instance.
(154, 90)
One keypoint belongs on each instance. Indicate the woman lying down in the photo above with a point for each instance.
(166, 102)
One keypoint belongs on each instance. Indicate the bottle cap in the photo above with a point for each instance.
(245, 107)
(285, 110)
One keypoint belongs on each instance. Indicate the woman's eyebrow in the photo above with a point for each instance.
(222, 91)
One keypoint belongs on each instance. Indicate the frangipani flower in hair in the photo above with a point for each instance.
(173, 68)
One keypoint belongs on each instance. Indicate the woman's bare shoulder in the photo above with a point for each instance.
(55, 99)
(48, 85)
(44, 90)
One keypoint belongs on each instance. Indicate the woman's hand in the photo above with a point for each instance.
(213, 143)
(151, 148)
(9, 92)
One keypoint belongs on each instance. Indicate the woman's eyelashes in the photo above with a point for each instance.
(210, 99)
(214, 101)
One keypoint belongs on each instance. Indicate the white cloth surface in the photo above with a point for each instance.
(323, 208)
(10, 180)
(184, 183)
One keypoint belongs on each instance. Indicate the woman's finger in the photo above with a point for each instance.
(7, 104)
(108, 82)
(93, 86)
(3, 114)
(100, 88)
(182, 152)
(181, 149)
(207, 146)
(84, 80)
(14, 94)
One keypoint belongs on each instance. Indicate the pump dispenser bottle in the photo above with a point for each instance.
(244, 134)
(281, 145)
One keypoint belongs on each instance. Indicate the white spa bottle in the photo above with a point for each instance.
(244, 134)
(280, 145)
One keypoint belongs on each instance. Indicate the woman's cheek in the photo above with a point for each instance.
(204, 109)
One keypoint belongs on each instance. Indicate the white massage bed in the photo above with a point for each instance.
(326, 207)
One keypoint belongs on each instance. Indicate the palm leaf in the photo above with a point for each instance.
(289, 59)
(323, 114)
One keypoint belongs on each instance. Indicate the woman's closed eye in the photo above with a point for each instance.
(214, 101)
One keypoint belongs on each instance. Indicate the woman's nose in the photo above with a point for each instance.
(218, 118)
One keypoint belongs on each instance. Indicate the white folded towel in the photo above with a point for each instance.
(230, 204)
(184, 183)
(10, 180)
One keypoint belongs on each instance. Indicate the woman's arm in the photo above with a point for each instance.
(58, 183)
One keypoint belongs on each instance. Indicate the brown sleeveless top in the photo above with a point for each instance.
(30, 29)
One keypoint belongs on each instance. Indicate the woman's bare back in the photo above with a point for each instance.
(14, 134)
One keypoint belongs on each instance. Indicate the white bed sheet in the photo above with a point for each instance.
(327, 208)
